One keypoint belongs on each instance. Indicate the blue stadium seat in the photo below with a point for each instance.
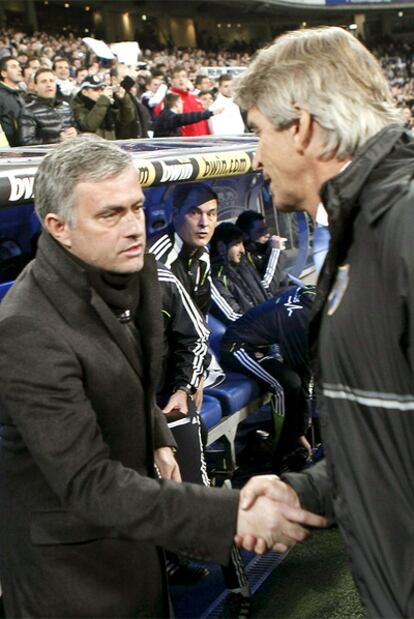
(210, 411)
(235, 392)
(217, 330)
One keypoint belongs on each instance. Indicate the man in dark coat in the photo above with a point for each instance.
(46, 118)
(330, 132)
(83, 517)
(11, 98)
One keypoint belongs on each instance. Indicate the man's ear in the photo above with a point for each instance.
(302, 131)
(59, 229)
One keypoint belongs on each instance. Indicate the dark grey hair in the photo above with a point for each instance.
(327, 72)
(86, 158)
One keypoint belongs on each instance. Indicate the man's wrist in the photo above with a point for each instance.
(188, 389)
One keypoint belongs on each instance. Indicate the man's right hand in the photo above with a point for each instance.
(270, 516)
(277, 242)
(178, 402)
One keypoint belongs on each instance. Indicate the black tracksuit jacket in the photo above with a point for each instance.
(192, 270)
(365, 327)
(235, 289)
(185, 336)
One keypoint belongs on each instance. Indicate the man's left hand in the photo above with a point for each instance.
(167, 464)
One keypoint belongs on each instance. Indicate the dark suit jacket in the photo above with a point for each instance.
(81, 516)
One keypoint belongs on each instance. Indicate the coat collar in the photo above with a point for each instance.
(67, 286)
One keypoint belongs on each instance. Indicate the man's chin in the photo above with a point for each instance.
(132, 266)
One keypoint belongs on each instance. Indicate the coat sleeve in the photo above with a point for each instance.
(314, 489)
(163, 436)
(44, 398)
(91, 120)
(126, 109)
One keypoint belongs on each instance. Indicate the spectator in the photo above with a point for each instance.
(231, 121)
(202, 82)
(33, 63)
(46, 118)
(155, 93)
(97, 109)
(81, 73)
(27, 84)
(11, 99)
(63, 80)
(139, 125)
(171, 119)
(206, 97)
(191, 103)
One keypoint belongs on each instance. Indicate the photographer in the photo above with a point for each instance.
(99, 109)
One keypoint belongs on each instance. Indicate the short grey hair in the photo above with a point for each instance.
(328, 73)
(86, 158)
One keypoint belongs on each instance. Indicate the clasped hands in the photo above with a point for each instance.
(270, 516)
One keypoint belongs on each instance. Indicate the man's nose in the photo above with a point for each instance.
(257, 162)
(133, 223)
(203, 221)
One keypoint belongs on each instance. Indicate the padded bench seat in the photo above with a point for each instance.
(210, 412)
(235, 392)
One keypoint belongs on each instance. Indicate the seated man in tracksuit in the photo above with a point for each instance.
(183, 250)
(182, 368)
(241, 303)
(236, 285)
(264, 252)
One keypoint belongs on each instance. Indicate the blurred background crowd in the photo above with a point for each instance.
(55, 86)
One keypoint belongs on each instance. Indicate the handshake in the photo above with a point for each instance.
(270, 516)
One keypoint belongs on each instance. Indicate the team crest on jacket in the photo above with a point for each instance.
(339, 288)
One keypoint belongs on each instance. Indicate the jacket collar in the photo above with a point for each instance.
(345, 194)
(340, 193)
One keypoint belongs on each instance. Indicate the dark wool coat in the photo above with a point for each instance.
(81, 515)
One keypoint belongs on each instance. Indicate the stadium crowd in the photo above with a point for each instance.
(53, 87)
